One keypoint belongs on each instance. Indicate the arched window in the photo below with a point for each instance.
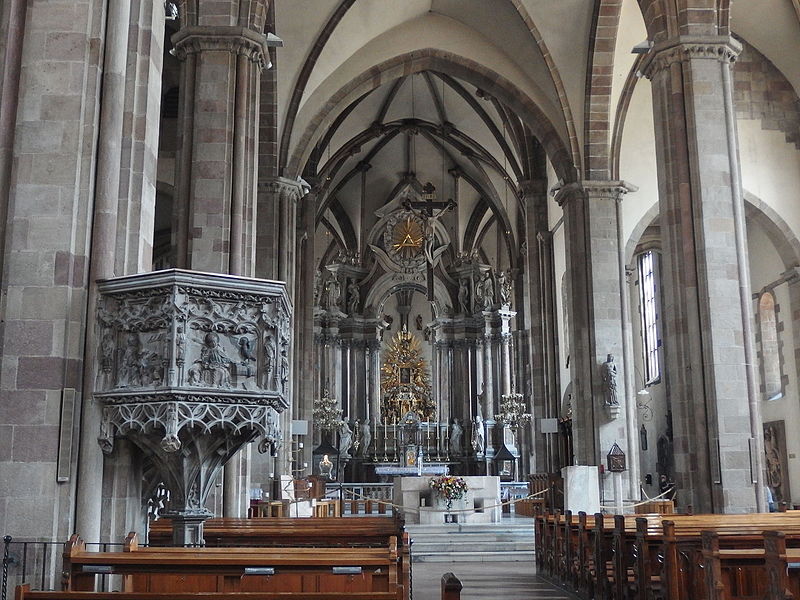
(770, 348)
(649, 307)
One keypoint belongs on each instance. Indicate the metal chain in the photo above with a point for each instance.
(7, 560)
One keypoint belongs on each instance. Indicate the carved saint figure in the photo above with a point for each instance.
(180, 346)
(269, 361)
(477, 432)
(130, 369)
(608, 375)
(366, 437)
(213, 366)
(284, 370)
(455, 438)
(345, 440)
(333, 290)
(317, 287)
(354, 295)
(463, 295)
(487, 291)
(504, 285)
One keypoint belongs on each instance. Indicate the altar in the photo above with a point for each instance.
(421, 504)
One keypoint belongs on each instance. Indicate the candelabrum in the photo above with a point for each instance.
(327, 414)
(513, 413)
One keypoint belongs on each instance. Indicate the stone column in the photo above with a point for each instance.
(220, 71)
(707, 307)
(216, 165)
(538, 280)
(591, 223)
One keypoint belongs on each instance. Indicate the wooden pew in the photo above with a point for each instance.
(276, 531)
(23, 592)
(643, 556)
(235, 570)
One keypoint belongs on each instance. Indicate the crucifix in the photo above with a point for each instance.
(425, 210)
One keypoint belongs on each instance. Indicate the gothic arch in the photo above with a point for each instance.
(386, 286)
(432, 59)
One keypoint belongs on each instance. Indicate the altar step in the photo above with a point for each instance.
(510, 541)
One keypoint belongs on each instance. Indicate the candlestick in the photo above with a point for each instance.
(394, 428)
(428, 436)
(385, 438)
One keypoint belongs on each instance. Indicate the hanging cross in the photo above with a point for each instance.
(425, 210)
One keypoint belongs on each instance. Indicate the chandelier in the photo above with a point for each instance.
(513, 410)
(327, 414)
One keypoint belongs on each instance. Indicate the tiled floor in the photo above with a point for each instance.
(485, 581)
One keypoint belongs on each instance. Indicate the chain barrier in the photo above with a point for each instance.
(416, 509)
(619, 509)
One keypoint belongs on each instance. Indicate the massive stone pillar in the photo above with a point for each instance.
(709, 355)
(602, 401)
(70, 160)
(223, 50)
(216, 166)
(539, 305)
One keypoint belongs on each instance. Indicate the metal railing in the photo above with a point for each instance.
(39, 563)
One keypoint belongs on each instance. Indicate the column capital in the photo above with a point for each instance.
(593, 190)
(286, 188)
(222, 38)
(684, 48)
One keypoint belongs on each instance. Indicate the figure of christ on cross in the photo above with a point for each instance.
(429, 210)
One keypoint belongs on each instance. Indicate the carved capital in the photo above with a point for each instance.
(285, 189)
(236, 40)
(593, 190)
(724, 49)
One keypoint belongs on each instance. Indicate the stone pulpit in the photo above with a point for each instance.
(192, 366)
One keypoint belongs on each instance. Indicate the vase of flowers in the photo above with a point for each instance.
(449, 487)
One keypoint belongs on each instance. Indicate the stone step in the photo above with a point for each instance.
(472, 542)
(505, 556)
(453, 547)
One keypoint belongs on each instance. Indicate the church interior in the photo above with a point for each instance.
(295, 260)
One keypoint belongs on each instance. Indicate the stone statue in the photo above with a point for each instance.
(463, 296)
(504, 285)
(345, 440)
(317, 287)
(284, 371)
(487, 291)
(333, 290)
(477, 432)
(269, 361)
(455, 438)
(608, 374)
(366, 437)
(354, 295)
(418, 322)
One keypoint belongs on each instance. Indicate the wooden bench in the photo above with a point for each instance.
(275, 531)
(23, 592)
(643, 555)
(235, 570)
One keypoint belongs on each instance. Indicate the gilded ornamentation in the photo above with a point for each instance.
(405, 383)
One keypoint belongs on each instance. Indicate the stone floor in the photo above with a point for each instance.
(485, 581)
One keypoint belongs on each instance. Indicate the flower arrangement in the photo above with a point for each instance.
(449, 487)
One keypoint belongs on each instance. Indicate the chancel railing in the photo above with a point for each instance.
(362, 498)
